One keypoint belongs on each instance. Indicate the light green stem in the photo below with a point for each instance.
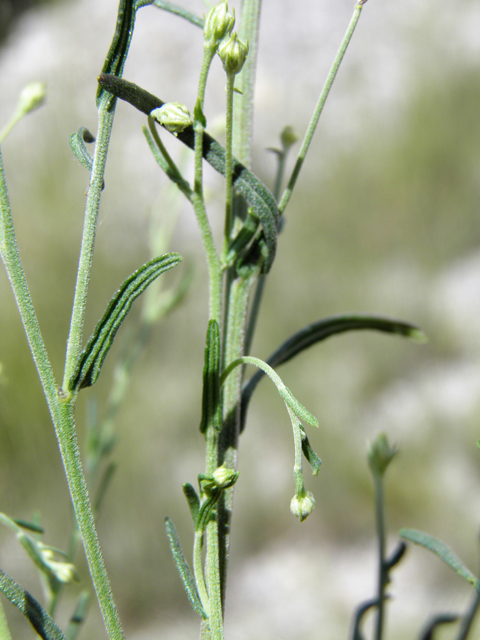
(320, 104)
(61, 410)
(228, 165)
(74, 343)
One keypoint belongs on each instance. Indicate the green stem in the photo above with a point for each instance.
(228, 165)
(198, 570)
(61, 410)
(198, 199)
(382, 569)
(106, 112)
(320, 104)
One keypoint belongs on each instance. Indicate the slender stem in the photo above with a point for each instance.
(74, 344)
(320, 104)
(61, 410)
(198, 570)
(228, 165)
(382, 570)
(198, 199)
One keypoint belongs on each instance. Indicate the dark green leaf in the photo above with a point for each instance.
(93, 355)
(446, 618)
(396, 556)
(192, 499)
(320, 330)
(312, 458)
(183, 568)
(117, 54)
(443, 551)
(31, 609)
(179, 11)
(359, 616)
(252, 188)
(31, 526)
(211, 384)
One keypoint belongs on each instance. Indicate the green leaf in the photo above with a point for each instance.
(179, 11)
(93, 355)
(43, 624)
(320, 330)
(77, 144)
(245, 182)
(193, 500)
(183, 568)
(443, 551)
(310, 455)
(211, 372)
(117, 54)
(360, 615)
(445, 618)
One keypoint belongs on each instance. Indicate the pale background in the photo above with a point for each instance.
(385, 219)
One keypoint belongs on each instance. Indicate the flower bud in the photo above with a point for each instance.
(233, 53)
(218, 24)
(302, 504)
(224, 477)
(32, 97)
(288, 137)
(175, 117)
(380, 454)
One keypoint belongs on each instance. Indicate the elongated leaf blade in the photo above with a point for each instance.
(321, 330)
(179, 11)
(43, 624)
(93, 355)
(183, 568)
(443, 551)
(310, 455)
(247, 183)
(77, 144)
(193, 501)
(211, 372)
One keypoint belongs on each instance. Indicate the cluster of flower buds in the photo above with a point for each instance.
(219, 36)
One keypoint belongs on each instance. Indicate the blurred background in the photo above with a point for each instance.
(384, 220)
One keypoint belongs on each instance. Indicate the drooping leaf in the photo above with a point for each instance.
(252, 188)
(93, 355)
(183, 568)
(396, 556)
(43, 624)
(117, 54)
(320, 330)
(445, 618)
(211, 371)
(179, 11)
(443, 551)
(359, 616)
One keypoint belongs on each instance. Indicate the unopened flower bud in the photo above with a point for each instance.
(32, 97)
(302, 504)
(224, 477)
(288, 137)
(233, 53)
(380, 454)
(218, 24)
(174, 116)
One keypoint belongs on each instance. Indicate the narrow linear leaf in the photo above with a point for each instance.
(79, 615)
(320, 330)
(211, 372)
(396, 556)
(445, 618)
(183, 568)
(179, 11)
(247, 183)
(31, 609)
(310, 455)
(117, 54)
(31, 526)
(443, 551)
(193, 500)
(93, 355)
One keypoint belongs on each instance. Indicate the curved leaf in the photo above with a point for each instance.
(443, 551)
(179, 11)
(359, 616)
(252, 188)
(211, 372)
(445, 618)
(77, 143)
(31, 609)
(93, 355)
(320, 330)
